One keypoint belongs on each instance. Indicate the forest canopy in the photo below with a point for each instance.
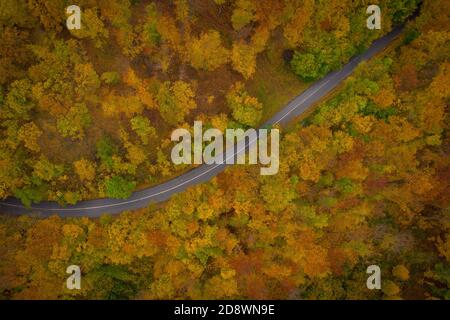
(363, 180)
(138, 69)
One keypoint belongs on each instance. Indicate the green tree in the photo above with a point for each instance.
(245, 108)
(150, 33)
(308, 66)
(73, 123)
(92, 27)
(118, 187)
(143, 128)
(110, 77)
(175, 101)
(105, 150)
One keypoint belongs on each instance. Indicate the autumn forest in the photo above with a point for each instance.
(363, 175)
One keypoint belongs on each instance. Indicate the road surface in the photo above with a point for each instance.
(203, 173)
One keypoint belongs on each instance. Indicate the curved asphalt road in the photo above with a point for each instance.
(203, 173)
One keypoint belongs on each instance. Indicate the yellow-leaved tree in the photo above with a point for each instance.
(207, 52)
